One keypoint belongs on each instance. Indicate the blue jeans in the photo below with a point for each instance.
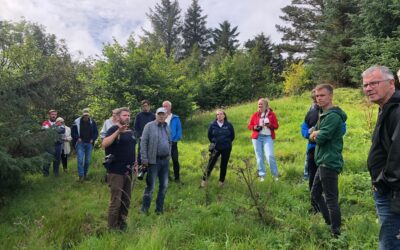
(265, 145)
(83, 150)
(160, 171)
(390, 222)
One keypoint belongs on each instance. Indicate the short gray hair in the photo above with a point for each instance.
(385, 71)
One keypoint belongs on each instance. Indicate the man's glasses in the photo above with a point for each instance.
(374, 83)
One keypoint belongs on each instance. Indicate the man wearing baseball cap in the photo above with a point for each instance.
(155, 151)
(84, 133)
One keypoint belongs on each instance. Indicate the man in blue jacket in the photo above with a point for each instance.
(84, 132)
(174, 124)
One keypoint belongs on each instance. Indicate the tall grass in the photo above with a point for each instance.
(61, 213)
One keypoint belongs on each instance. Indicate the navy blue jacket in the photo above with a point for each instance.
(221, 136)
(142, 119)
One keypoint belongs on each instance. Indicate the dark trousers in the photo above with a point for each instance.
(225, 154)
(64, 160)
(175, 159)
(120, 187)
(312, 170)
(326, 181)
(56, 161)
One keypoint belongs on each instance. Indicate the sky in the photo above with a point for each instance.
(86, 25)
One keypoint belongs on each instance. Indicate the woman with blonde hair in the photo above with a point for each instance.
(263, 124)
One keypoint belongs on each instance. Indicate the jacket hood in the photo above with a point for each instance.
(338, 111)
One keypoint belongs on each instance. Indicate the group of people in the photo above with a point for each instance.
(82, 134)
(324, 126)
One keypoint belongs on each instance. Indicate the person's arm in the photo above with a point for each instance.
(178, 129)
(95, 131)
(273, 121)
(144, 144)
(327, 128)
(103, 131)
(252, 125)
(304, 130)
(113, 135)
(210, 133)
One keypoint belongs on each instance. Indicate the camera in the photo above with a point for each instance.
(258, 128)
(108, 160)
(141, 172)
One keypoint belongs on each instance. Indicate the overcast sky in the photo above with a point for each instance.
(86, 24)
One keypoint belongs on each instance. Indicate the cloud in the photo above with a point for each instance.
(86, 25)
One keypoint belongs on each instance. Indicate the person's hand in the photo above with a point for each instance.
(313, 135)
(267, 125)
(122, 128)
(91, 141)
(310, 130)
(79, 140)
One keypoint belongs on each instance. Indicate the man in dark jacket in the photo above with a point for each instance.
(84, 132)
(328, 136)
(384, 156)
(141, 120)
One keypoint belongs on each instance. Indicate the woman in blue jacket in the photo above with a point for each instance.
(221, 133)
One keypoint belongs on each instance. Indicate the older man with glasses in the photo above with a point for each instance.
(384, 156)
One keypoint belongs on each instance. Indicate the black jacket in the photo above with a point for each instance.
(384, 155)
(221, 136)
(141, 120)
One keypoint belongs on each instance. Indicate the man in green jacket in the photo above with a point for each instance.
(328, 157)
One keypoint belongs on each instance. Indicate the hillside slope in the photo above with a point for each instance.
(60, 213)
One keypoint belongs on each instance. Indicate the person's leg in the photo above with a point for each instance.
(390, 222)
(64, 161)
(80, 153)
(316, 195)
(312, 169)
(329, 181)
(163, 185)
(88, 156)
(258, 150)
(125, 201)
(152, 174)
(306, 176)
(115, 182)
(57, 159)
(211, 163)
(269, 155)
(225, 154)
(175, 160)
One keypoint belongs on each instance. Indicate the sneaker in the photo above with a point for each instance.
(261, 178)
(221, 184)
(81, 179)
(203, 184)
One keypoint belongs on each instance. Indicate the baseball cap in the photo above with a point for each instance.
(161, 110)
(85, 112)
(60, 119)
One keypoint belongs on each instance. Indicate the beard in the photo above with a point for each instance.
(124, 122)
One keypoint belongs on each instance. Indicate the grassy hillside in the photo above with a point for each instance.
(60, 213)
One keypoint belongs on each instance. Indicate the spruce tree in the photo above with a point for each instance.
(224, 38)
(303, 17)
(167, 26)
(195, 31)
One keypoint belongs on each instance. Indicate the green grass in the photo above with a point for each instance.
(60, 213)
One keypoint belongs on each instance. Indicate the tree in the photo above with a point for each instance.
(195, 32)
(225, 38)
(304, 17)
(330, 57)
(165, 20)
(36, 74)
